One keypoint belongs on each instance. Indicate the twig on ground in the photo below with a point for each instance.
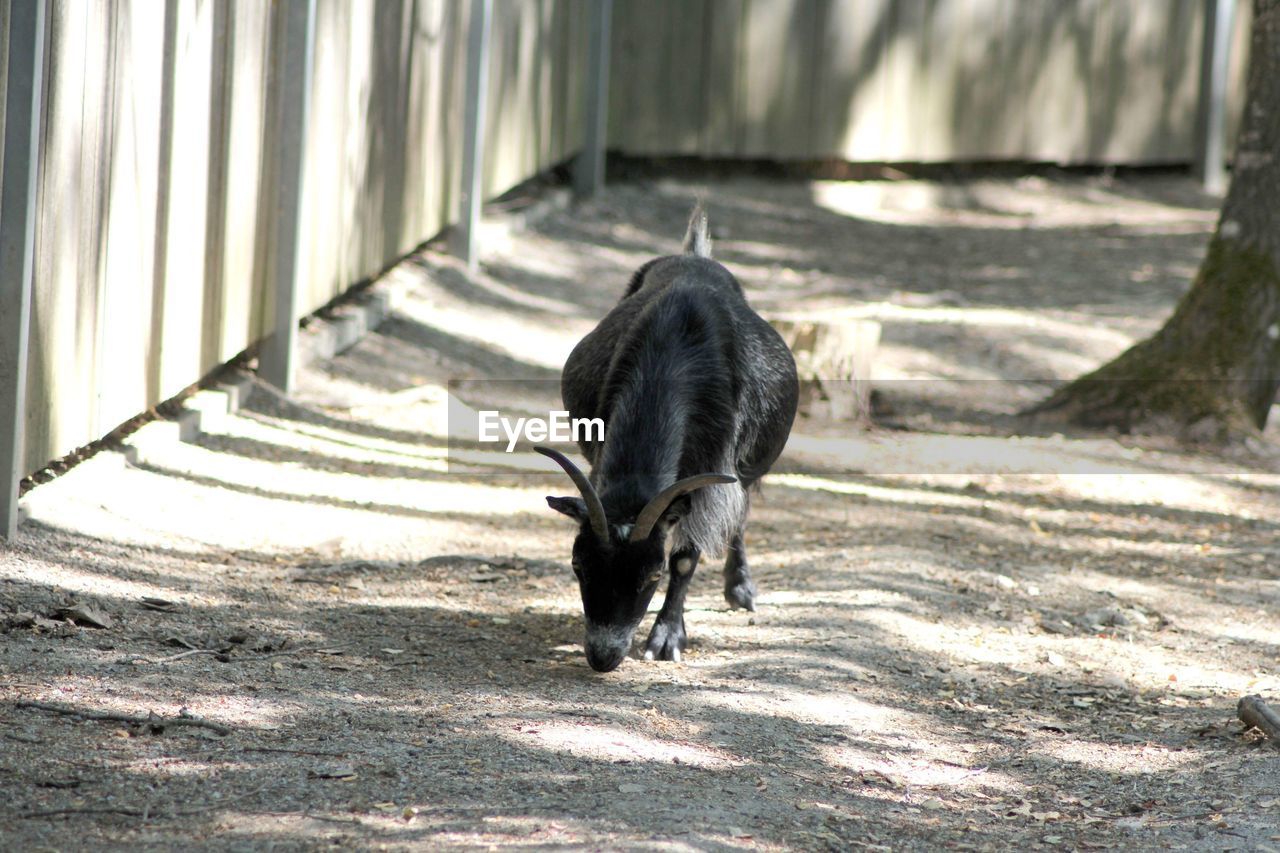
(1254, 712)
(144, 812)
(171, 658)
(355, 821)
(298, 651)
(229, 657)
(293, 751)
(149, 720)
(414, 745)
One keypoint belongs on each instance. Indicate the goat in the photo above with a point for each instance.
(697, 394)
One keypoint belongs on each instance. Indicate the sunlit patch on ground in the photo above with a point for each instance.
(615, 744)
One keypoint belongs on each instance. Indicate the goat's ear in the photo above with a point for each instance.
(676, 510)
(575, 508)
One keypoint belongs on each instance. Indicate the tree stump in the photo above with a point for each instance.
(833, 360)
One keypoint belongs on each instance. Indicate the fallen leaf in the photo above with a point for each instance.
(333, 771)
(31, 620)
(84, 614)
(58, 783)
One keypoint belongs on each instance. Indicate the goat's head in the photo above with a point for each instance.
(619, 564)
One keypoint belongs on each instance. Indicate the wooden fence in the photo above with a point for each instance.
(160, 168)
(1068, 81)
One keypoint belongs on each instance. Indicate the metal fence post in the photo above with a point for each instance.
(464, 242)
(588, 169)
(21, 167)
(1215, 65)
(276, 358)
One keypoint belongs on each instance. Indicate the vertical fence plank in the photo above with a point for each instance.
(181, 276)
(24, 79)
(722, 38)
(464, 238)
(276, 362)
(127, 218)
(588, 171)
(904, 80)
(1215, 66)
(248, 118)
(849, 91)
(218, 156)
(573, 95)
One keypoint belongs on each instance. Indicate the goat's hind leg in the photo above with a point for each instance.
(667, 640)
(739, 589)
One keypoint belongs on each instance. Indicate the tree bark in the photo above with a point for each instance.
(1212, 372)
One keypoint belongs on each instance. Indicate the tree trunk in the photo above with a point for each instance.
(1212, 372)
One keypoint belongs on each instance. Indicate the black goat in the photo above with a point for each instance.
(697, 394)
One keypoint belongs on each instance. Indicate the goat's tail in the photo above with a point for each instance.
(697, 240)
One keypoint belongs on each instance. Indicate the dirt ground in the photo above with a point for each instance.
(362, 635)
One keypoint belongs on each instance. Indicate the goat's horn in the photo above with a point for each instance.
(595, 509)
(654, 509)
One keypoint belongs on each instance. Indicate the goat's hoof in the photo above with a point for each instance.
(666, 642)
(741, 595)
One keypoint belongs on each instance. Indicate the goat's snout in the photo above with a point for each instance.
(607, 646)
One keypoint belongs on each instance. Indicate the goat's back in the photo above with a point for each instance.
(684, 321)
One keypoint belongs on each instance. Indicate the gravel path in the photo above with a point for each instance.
(324, 623)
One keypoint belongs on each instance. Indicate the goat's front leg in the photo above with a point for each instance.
(739, 589)
(667, 640)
